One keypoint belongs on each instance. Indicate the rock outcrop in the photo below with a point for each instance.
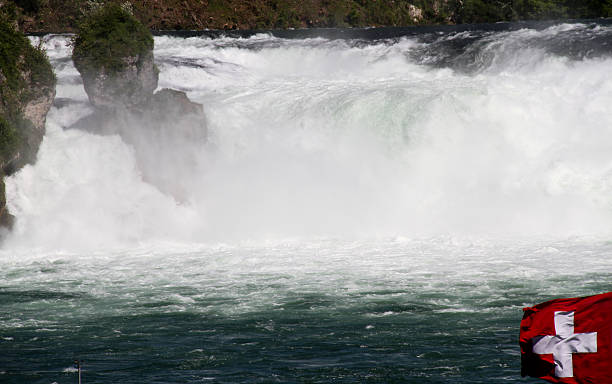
(27, 89)
(114, 54)
(129, 87)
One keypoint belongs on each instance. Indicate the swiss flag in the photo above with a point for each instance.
(568, 340)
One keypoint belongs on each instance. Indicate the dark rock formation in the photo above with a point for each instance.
(129, 87)
(27, 89)
(175, 104)
(114, 54)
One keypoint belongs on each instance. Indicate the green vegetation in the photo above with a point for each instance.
(65, 15)
(486, 11)
(107, 36)
(25, 71)
(12, 46)
(26, 76)
(271, 14)
(29, 6)
(9, 141)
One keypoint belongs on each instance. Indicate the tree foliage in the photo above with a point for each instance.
(24, 70)
(63, 15)
(486, 11)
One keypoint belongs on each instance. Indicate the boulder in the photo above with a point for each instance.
(114, 54)
(168, 135)
(169, 111)
(128, 88)
(170, 101)
(173, 109)
(168, 138)
(36, 109)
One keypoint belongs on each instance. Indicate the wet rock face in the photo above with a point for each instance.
(27, 90)
(170, 101)
(129, 87)
(171, 108)
(168, 135)
(35, 111)
(114, 54)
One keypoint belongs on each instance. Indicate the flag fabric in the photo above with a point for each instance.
(568, 340)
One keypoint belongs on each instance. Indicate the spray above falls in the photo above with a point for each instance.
(478, 133)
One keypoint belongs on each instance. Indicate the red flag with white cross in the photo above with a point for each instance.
(568, 340)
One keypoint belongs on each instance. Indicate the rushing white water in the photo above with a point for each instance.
(350, 139)
(362, 210)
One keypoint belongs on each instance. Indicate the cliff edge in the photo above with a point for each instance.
(27, 89)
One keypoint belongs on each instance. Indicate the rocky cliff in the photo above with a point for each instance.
(27, 89)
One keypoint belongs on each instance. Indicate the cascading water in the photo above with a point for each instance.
(362, 210)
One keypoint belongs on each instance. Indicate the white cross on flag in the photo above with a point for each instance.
(568, 340)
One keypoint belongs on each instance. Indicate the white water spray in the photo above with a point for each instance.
(318, 138)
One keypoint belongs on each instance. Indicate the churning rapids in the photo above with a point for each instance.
(364, 210)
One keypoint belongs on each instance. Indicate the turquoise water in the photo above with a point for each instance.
(434, 311)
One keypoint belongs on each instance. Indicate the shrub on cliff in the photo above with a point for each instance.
(108, 36)
(25, 71)
(486, 11)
